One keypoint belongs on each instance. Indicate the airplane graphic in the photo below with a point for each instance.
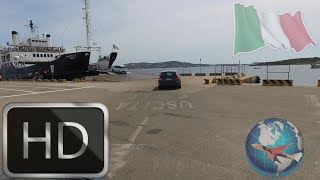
(273, 153)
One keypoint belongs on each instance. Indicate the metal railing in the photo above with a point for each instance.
(229, 69)
(279, 72)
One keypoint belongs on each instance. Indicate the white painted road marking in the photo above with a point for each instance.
(38, 87)
(316, 103)
(16, 90)
(156, 105)
(122, 105)
(45, 92)
(137, 131)
(118, 152)
(182, 96)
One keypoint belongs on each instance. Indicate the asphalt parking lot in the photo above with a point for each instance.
(197, 132)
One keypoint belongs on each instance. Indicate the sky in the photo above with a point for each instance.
(153, 30)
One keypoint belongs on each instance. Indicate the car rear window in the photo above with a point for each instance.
(168, 74)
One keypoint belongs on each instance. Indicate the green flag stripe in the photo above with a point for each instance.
(248, 36)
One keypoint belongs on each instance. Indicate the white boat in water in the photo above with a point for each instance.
(315, 65)
(257, 67)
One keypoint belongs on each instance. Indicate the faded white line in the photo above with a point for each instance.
(44, 92)
(38, 87)
(316, 103)
(137, 131)
(118, 152)
(46, 84)
(314, 100)
(16, 90)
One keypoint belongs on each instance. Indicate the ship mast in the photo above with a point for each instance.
(32, 27)
(87, 19)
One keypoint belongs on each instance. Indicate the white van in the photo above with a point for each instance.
(119, 69)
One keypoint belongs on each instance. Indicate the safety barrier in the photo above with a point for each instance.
(268, 82)
(206, 81)
(215, 74)
(186, 74)
(200, 74)
(62, 80)
(226, 81)
(78, 80)
(214, 80)
(230, 74)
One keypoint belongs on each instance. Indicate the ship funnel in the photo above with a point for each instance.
(48, 40)
(15, 40)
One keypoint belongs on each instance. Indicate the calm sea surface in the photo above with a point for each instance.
(300, 74)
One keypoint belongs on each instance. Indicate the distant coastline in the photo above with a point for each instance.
(178, 64)
(168, 64)
(298, 61)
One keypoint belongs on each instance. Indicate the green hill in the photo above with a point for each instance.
(298, 61)
(168, 64)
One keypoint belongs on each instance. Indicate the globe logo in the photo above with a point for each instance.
(274, 147)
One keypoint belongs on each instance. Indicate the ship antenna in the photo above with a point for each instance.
(86, 10)
(32, 27)
(87, 18)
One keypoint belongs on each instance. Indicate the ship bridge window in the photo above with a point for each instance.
(34, 55)
(41, 55)
(51, 55)
(44, 55)
(37, 55)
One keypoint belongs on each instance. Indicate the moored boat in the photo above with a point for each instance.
(315, 65)
(35, 57)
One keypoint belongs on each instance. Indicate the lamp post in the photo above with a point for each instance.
(200, 65)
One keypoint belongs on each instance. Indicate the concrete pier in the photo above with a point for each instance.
(196, 132)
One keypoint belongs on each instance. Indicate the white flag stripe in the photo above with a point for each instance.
(272, 32)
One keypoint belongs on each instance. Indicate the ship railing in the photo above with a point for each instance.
(34, 49)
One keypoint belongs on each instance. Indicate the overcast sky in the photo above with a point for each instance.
(153, 30)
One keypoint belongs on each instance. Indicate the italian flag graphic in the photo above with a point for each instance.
(255, 29)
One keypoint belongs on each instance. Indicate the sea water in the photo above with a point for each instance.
(300, 74)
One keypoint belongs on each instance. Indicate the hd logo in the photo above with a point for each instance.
(52, 140)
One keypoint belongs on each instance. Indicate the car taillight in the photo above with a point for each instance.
(177, 77)
(160, 77)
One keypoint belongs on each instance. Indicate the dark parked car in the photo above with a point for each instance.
(170, 78)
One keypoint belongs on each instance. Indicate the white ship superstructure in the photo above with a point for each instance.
(36, 57)
(35, 49)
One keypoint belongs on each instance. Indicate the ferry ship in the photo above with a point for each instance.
(36, 57)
